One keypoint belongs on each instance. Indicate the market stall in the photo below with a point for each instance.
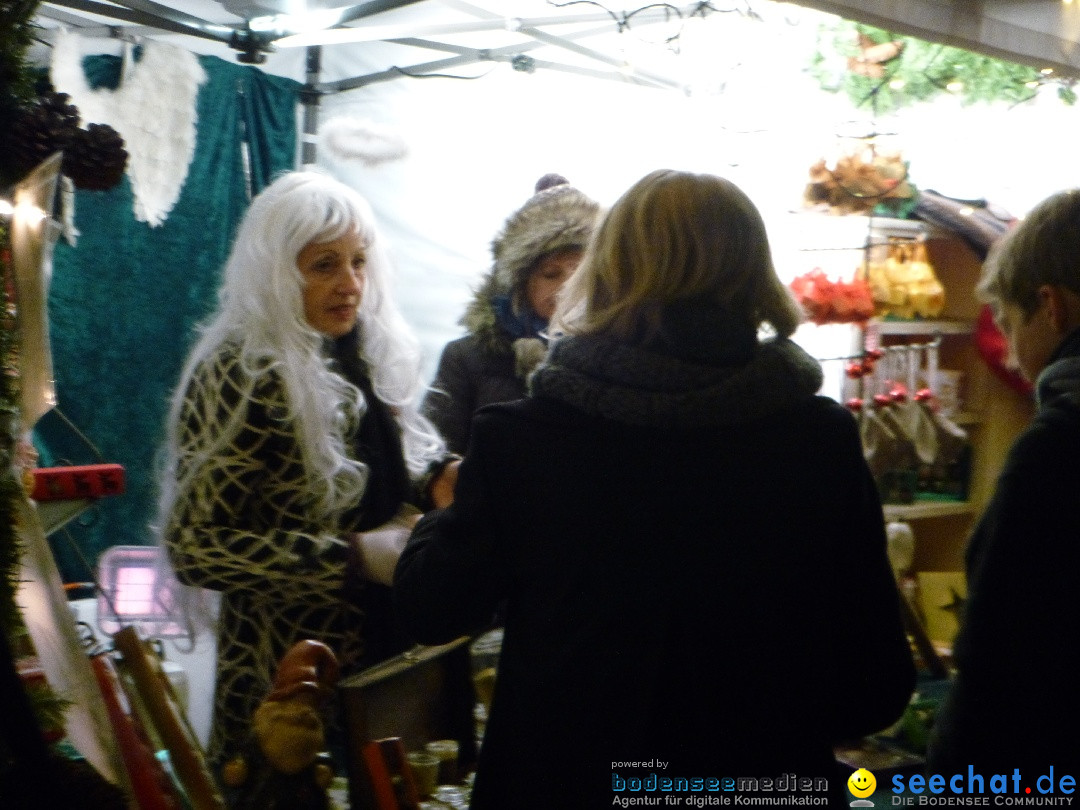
(601, 99)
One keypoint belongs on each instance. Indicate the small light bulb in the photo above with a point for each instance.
(897, 84)
(954, 87)
(6, 208)
(29, 213)
(966, 211)
(1031, 85)
(1046, 71)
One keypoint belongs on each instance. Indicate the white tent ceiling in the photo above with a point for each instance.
(556, 35)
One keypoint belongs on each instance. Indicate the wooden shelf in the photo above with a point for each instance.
(926, 509)
(903, 228)
(967, 418)
(939, 327)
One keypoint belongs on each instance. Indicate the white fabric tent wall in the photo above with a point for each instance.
(477, 147)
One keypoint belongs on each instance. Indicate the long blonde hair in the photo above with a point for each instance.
(675, 236)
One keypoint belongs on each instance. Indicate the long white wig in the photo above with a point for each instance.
(260, 309)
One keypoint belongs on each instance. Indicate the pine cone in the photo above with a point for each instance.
(95, 158)
(45, 127)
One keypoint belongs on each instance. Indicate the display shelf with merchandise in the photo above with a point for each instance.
(972, 397)
(885, 326)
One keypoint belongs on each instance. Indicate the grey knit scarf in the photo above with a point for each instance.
(638, 386)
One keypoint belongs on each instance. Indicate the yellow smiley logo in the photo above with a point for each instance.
(861, 783)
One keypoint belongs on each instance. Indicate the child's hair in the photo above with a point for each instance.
(1043, 249)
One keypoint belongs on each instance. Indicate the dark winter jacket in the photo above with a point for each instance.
(1015, 702)
(693, 562)
(472, 373)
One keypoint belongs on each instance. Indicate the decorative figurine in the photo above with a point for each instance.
(284, 766)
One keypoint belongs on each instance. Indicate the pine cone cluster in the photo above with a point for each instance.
(45, 127)
(94, 158)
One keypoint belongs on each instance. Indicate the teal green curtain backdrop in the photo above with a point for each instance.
(123, 302)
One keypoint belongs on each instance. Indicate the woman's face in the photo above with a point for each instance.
(547, 279)
(333, 275)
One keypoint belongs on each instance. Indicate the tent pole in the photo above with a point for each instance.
(310, 99)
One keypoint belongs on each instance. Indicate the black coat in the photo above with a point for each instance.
(473, 371)
(1015, 702)
(715, 595)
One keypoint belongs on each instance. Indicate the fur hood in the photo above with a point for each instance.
(637, 386)
(556, 218)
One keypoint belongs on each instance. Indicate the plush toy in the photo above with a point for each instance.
(283, 766)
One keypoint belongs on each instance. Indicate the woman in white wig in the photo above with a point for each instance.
(296, 457)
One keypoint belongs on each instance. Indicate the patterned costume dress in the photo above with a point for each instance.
(244, 524)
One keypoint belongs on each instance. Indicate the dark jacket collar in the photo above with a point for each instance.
(1058, 385)
(640, 386)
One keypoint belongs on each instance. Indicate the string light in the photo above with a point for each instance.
(29, 213)
(678, 16)
(24, 211)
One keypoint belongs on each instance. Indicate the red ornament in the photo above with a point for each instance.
(854, 404)
(882, 400)
(898, 394)
(924, 395)
(994, 349)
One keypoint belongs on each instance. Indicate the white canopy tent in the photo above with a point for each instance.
(589, 89)
(1042, 33)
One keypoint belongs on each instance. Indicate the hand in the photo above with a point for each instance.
(380, 548)
(442, 488)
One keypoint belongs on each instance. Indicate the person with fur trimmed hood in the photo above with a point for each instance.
(536, 250)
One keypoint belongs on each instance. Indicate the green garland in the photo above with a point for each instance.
(16, 78)
(10, 487)
(17, 90)
(923, 71)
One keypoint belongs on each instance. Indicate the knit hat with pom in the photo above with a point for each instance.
(556, 217)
